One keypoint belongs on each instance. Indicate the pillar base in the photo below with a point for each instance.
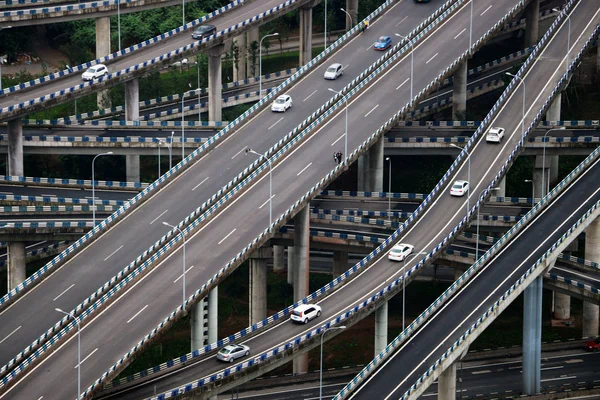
(16, 264)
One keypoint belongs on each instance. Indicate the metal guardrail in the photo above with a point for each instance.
(12, 179)
(34, 254)
(60, 200)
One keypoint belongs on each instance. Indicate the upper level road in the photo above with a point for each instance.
(142, 227)
(156, 294)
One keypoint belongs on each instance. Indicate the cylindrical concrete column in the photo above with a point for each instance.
(16, 264)
(352, 8)
(214, 83)
(447, 384)
(363, 173)
(553, 113)
(213, 315)
(132, 100)
(253, 37)
(375, 183)
(381, 328)
(15, 148)
(258, 285)
(132, 167)
(532, 20)
(301, 270)
(539, 170)
(459, 95)
(562, 306)
(198, 325)
(278, 266)
(532, 336)
(554, 162)
(103, 49)
(239, 65)
(290, 265)
(340, 262)
(305, 34)
(592, 252)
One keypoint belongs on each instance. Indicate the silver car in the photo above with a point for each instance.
(232, 352)
(334, 71)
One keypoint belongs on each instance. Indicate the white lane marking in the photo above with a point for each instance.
(557, 367)
(573, 272)
(337, 140)
(304, 169)
(485, 371)
(181, 276)
(204, 180)
(278, 121)
(373, 109)
(402, 20)
(265, 203)
(89, 355)
(402, 84)
(307, 97)
(63, 292)
(136, 314)
(434, 56)
(558, 379)
(7, 193)
(155, 219)
(575, 361)
(486, 10)
(236, 154)
(113, 253)
(460, 33)
(229, 234)
(41, 397)
(10, 334)
(48, 195)
(369, 48)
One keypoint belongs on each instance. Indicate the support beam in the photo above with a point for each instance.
(15, 148)
(214, 82)
(340, 262)
(301, 270)
(258, 284)
(591, 312)
(381, 328)
(352, 8)
(103, 49)
(290, 265)
(16, 264)
(305, 34)
(132, 100)
(239, 65)
(532, 21)
(459, 95)
(532, 337)
(253, 37)
(132, 168)
(447, 383)
(199, 325)
(278, 266)
(213, 315)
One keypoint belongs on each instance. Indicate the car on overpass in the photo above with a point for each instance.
(232, 352)
(282, 103)
(400, 251)
(305, 312)
(334, 71)
(94, 72)
(459, 188)
(383, 43)
(204, 31)
(495, 134)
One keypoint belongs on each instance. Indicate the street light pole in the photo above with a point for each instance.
(160, 142)
(325, 38)
(389, 159)
(94, 187)
(170, 151)
(477, 234)
(199, 104)
(2, 59)
(249, 150)
(523, 118)
(183, 236)
(78, 350)
(321, 369)
(183, 122)
(532, 191)
(119, 21)
(346, 133)
(260, 62)
(349, 17)
(471, 28)
(468, 175)
(412, 58)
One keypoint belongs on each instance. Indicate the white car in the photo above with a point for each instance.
(334, 71)
(495, 134)
(459, 188)
(94, 72)
(282, 103)
(233, 351)
(305, 313)
(400, 251)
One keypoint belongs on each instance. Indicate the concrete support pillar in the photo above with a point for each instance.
(459, 95)
(532, 21)
(199, 325)
(562, 306)
(103, 49)
(352, 8)
(278, 266)
(132, 100)
(214, 82)
(132, 168)
(340, 262)
(290, 265)
(592, 253)
(447, 383)
(598, 56)
(15, 148)
(553, 113)
(553, 170)
(381, 328)
(305, 34)
(258, 284)
(301, 270)
(213, 315)
(376, 158)
(502, 186)
(16, 264)
(539, 188)
(532, 337)
(253, 37)
(239, 67)
(363, 169)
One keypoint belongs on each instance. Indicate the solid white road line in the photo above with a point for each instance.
(434, 56)
(373, 109)
(591, 278)
(41, 397)
(10, 334)
(278, 121)
(229, 234)
(402, 20)
(113, 253)
(161, 214)
(136, 314)
(460, 33)
(486, 10)
(558, 379)
(406, 80)
(337, 140)
(304, 169)
(265, 203)
(204, 180)
(89, 355)
(63, 292)
(575, 361)
(557, 367)
(485, 371)
(236, 154)
(181, 276)
(307, 97)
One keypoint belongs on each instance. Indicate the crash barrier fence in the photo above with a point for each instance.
(15, 179)
(39, 252)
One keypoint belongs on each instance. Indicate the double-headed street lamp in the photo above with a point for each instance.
(346, 132)
(532, 191)
(468, 174)
(523, 117)
(108, 153)
(78, 351)
(1, 58)
(260, 62)
(249, 150)
(477, 234)
(321, 369)
(412, 57)
(183, 236)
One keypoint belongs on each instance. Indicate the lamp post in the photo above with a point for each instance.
(325, 38)
(468, 174)
(411, 62)
(160, 142)
(2, 59)
(260, 61)
(404, 286)
(321, 369)
(183, 236)
(67, 66)
(477, 234)
(349, 17)
(532, 191)
(108, 153)
(199, 104)
(389, 160)
(119, 21)
(170, 151)
(523, 118)
(78, 350)
(544, 185)
(471, 28)
(568, 36)
(183, 123)
(346, 132)
(249, 150)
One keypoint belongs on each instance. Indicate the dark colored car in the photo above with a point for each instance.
(204, 31)
(593, 345)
